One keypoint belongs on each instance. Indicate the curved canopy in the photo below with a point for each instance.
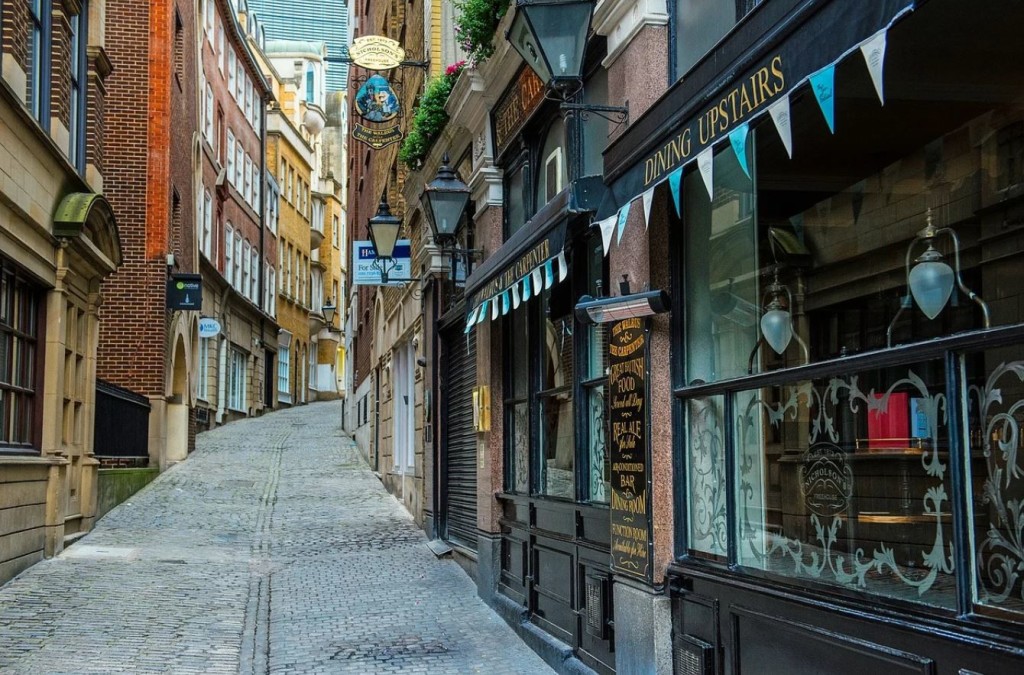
(90, 215)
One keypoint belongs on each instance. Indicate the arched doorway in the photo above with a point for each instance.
(177, 404)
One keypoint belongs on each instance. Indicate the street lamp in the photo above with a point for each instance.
(329, 310)
(446, 197)
(551, 36)
(383, 234)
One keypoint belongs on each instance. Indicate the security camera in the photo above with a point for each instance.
(421, 362)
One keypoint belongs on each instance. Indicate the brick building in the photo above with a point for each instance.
(58, 240)
(236, 247)
(151, 145)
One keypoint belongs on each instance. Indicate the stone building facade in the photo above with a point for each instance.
(58, 241)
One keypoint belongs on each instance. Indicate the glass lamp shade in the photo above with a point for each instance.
(777, 329)
(384, 231)
(446, 197)
(931, 284)
(329, 310)
(552, 37)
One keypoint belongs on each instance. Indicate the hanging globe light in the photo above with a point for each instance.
(931, 282)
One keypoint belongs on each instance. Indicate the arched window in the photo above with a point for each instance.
(552, 175)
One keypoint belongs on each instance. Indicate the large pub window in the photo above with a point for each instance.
(19, 360)
(815, 454)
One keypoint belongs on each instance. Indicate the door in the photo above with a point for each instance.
(458, 438)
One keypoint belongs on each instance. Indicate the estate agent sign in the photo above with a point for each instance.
(629, 418)
(185, 292)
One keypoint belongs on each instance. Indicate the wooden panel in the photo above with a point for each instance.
(555, 518)
(596, 526)
(553, 573)
(766, 643)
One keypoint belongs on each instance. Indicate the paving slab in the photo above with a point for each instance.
(272, 549)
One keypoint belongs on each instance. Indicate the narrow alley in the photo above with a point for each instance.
(272, 549)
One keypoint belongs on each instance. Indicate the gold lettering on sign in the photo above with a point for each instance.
(516, 271)
(750, 95)
(515, 108)
(628, 421)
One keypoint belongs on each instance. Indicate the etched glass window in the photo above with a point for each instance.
(557, 454)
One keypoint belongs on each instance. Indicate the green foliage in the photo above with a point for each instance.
(429, 118)
(475, 25)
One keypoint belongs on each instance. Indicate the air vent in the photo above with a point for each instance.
(202, 415)
(691, 656)
(596, 589)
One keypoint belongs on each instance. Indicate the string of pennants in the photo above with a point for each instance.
(822, 83)
(540, 278)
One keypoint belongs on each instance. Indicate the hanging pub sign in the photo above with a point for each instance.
(376, 100)
(377, 138)
(629, 448)
(185, 292)
(376, 52)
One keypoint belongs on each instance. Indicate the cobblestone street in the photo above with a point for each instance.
(272, 549)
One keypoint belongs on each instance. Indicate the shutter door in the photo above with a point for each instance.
(460, 438)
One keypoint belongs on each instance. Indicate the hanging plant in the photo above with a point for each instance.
(430, 117)
(475, 25)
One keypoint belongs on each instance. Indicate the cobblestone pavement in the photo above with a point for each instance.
(272, 549)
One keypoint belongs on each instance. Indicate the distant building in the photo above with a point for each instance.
(316, 20)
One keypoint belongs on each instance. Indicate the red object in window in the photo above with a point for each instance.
(890, 427)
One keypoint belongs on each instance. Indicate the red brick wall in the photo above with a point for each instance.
(60, 65)
(15, 31)
(183, 121)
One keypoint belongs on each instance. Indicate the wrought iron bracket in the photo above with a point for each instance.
(619, 115)
(402, 64)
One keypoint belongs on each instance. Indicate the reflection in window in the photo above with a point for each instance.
(721, 272)
(845, 480)
(595, 377)
(516, 209)
(700, 24)
(517, 404)
(557, 433)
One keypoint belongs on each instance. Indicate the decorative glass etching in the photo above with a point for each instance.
(706, 476)
(996, 411)
(598, 448)
(521, 451)
(843, 481)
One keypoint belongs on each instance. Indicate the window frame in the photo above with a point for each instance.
(39, 80)
(79, 71)
(26, 295)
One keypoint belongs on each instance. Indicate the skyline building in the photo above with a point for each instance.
(319, 20)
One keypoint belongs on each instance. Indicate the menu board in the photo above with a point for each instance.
(629, 418)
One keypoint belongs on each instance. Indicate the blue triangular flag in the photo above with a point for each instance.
(623, 214)
(823, 83)
(504, 303)
(549, 274)
(675, 184)
(483, 312)
(738, 138)
(526, 288)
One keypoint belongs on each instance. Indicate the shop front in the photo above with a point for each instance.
(547, 372)
(846, 230)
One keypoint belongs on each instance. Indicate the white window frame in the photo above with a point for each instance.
(206, 243)
(284, 366)
(232, 63)
(246, 268)
(247, 180)
(237, 375)
(239, 165)
(238, 260)
(239, 92)
(208, 121)
(229, 247)
(220, 48)
(231, 157)
(203, 376)
(254, 278)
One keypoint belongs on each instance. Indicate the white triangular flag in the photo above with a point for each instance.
(780, 115)
(563, 267)
(706, 164)
(515, 296)
(607, 229)
(873, 50)
(648, 198)
(494, 307)
(538, 280)
(623, 219)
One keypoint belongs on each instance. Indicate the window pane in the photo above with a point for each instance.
(844, 481)
(599, 469)
(515, 201)
(557, 338)
(558, 447)
(553, 176)
(700, 24)
(996, 413)
(520, 444)
(721, 272)
(705, 476)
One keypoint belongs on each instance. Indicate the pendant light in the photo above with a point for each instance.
(777, 322)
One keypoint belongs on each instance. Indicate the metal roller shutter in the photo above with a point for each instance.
(459, 366)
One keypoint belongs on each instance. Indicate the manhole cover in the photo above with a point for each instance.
(105, 552)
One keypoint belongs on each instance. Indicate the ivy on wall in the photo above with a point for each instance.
(430, 117)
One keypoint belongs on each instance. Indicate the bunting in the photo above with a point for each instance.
(607, 228)
(738, 140)
(675, 183)
(623, 217)
(823, 83)
(563, 267)
(873, 50)
(779, 112)
(648, 199)
(706, 166)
